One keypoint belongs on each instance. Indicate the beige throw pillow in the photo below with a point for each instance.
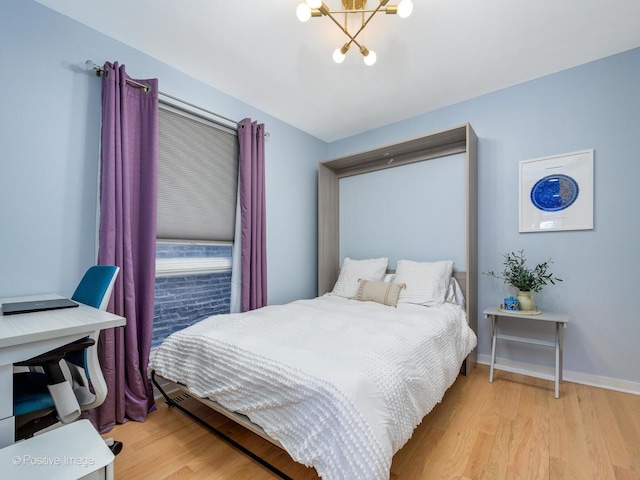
(386, 293)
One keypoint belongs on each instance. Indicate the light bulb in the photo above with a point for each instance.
(303, 12)
(371, 58)
(338, 56)
(405, 7)
(314, 3)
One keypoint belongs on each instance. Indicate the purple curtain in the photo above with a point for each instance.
(128, 188)
(253, 286)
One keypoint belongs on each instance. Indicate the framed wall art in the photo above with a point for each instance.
(556, 193)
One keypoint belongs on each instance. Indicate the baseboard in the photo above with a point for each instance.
(571, 376)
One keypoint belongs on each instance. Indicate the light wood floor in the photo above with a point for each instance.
(512, 428)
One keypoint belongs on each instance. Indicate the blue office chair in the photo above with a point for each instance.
(59, 384)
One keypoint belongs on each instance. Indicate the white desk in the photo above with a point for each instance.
(27, 335)
(560, 321)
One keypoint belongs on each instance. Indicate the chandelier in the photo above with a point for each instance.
(317, 8)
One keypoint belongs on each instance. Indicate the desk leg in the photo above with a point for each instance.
(494, 334)
(558, 360)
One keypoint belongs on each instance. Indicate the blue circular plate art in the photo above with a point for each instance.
(554, 192)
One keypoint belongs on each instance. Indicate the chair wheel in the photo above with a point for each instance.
(116, 447)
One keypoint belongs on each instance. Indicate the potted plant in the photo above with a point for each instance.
(524, 279)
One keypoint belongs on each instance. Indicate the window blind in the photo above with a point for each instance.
(197, 178)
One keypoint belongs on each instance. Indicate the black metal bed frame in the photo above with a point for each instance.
(172, 403)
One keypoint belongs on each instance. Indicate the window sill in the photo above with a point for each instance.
(168, 267)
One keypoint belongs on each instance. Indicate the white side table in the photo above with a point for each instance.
(560, 320)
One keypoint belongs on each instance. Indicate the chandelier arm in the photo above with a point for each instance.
(364, 24)
(354, 11)
(352, 39)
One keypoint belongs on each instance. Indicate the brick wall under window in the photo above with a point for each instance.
(182, 300)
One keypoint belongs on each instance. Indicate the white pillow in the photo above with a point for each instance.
(427, 282)
(354, 270)
(454, 293)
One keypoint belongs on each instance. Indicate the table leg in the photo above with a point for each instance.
(562, 327)
(494, 334)
(558, 356)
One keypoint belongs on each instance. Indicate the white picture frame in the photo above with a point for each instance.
(556, 193)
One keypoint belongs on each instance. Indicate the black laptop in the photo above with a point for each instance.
(37, 306)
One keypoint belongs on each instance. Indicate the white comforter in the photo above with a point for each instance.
(341, 384)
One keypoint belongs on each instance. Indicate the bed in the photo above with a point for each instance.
(339, 383)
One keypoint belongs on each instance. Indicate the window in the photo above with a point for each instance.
(197, 192)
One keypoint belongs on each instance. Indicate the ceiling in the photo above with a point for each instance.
(447, 51)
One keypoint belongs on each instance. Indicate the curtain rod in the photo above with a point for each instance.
(99, 70)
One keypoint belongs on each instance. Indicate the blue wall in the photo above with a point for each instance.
(592, 106)
(49, 133)
(381, 217)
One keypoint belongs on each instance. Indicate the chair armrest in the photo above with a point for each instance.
(54, 356)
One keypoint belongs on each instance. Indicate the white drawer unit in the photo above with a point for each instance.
(70, 452)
